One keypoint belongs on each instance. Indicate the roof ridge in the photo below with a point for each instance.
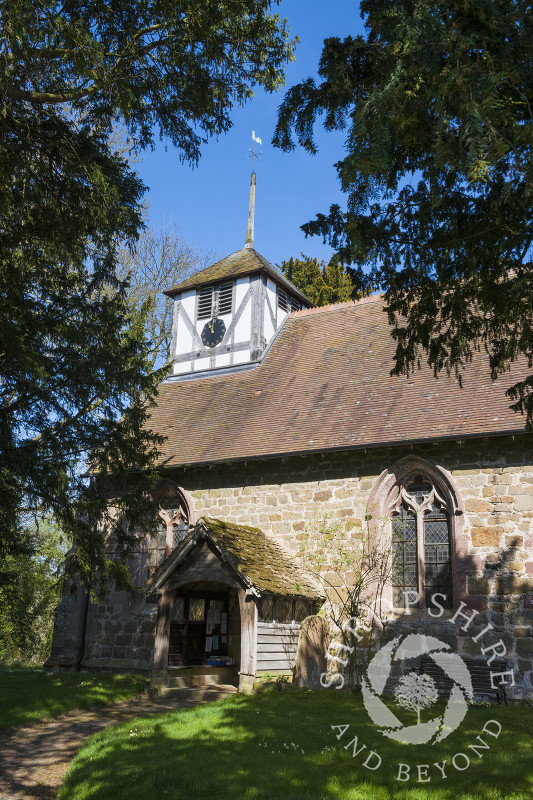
(246, 261)
(210, 268)
(334, 306)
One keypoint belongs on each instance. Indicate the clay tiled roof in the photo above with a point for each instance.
(243, 262)
(257, 560)
(325, 384)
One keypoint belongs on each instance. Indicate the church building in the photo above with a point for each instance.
(282, 425)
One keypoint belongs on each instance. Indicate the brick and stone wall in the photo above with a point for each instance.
(291, 497)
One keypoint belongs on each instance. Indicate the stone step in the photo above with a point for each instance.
(200, 691)
(190, 679)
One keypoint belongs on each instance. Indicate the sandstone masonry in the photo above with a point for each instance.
(289, 498)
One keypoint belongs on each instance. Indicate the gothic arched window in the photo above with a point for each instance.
(173, 525)
(421, 547)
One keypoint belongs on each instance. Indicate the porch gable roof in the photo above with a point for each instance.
(259, 563)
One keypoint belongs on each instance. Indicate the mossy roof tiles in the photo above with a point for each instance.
(260, 561)
(325, 384)
(243, 262)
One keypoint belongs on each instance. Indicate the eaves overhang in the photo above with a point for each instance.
(342, 448)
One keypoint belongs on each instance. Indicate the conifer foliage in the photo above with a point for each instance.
(75, 383)
(437, 101)
(322, 283)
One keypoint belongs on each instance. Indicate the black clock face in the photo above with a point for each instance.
(213, 332)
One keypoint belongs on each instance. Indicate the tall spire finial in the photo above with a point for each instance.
(251, 208)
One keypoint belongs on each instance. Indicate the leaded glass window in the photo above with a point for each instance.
(284, 609)
(421, 547)
(161, 539)
(266, 608)
(302, 609)
(437, 555)
(180, 530)
(404, 558)
(178, 612)
(195, 609)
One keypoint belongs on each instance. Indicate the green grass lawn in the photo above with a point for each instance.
(28, 695)
(280, 746)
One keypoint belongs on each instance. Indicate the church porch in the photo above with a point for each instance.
(229, 607)
(198, 635)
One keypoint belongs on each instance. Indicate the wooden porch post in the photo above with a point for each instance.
(248, 609)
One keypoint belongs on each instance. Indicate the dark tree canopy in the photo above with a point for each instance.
(438, 171)
(75, 378)
(178, 67)
(73, 382)
(322, 283)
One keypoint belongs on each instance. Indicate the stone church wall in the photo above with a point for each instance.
(120, 634)
(292, 497)
(120, 630)
(494, 478)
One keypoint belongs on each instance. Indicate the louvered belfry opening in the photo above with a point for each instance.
(287, 302)
(225, 298)
(205, 302)
(215, 301)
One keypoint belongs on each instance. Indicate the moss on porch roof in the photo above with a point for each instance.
(266, 564)
(258, 560)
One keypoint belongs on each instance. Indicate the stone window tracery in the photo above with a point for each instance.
(421, 546)
(174, 527)
(174, 524)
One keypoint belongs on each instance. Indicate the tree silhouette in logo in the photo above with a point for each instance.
(415, 692)
(400, 651)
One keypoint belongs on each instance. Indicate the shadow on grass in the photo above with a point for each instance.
(280, 746)
(28, 695)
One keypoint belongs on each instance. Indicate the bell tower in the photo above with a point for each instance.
(226, 315)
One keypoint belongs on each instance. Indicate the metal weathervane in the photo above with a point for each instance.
(253, 153)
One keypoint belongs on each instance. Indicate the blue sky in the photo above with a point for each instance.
(209, 203)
